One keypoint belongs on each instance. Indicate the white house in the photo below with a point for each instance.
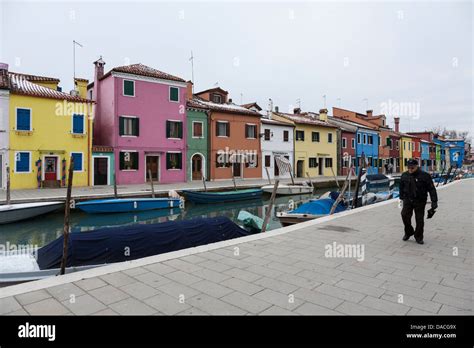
(276, 140)
(4, 123)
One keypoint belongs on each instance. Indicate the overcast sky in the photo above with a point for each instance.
(413, 57)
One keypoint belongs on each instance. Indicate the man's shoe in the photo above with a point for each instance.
(406, 237)
(420, 242)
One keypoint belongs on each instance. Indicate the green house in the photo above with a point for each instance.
(197, 141)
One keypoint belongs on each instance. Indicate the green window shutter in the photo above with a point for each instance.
(128, 88)
(168, 129)
(136, 127)
(168, 161)
(180, 130)
(122, 160)
(134, 160)
(180, 160)
(174, 94)
(227, 130)
(121, 126)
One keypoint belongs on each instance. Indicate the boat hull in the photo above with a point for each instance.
(18, 212)
(288, 190)
(127, 205)
(222, 197)
(291, 219)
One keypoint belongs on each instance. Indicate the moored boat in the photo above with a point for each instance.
(289, 189)
(22, 211)
(124, 205)
(222, 196)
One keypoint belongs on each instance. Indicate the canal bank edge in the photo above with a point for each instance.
(122, 266)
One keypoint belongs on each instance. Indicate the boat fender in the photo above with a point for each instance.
(291, 204)
(135, 205)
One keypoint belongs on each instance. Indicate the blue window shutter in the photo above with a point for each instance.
(78, 124)
(77, 161)
(23, 162)
(23, 119)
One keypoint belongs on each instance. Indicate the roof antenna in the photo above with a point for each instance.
(74, 43)
(324, 98)
(191, 59)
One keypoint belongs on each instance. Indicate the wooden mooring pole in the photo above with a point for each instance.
(268, 176)
(203, 181)
(270, 206)
(115, 186)
(151, 183)
(8, 186)
(67, 212)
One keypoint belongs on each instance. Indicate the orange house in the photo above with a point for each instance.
(234, 137)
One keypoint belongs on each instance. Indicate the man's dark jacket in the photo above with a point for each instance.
(416, 186)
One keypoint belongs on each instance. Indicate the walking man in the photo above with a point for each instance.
(415, 185)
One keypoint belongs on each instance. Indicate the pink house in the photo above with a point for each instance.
(141, 113)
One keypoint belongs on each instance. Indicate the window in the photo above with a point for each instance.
(77, 124)
(299, 135)
(328, 162)
(404, 145)
(23, 119)
(389, 142)
(174, 129)
(379, 139)
(369, 161)
(251, 131)
(267, 134)
(78, 161)
(251, 161)
(370, 139)
(174, 94)
(329, 137)
(128, 160)
(173, 160)
(419, 146)
(344, 143)
(197, 129)
(129, 88)
(221, 161)
(22, 162)
(358, 138)
(268, 161)
(286, 135)
(313, 162)
(365, 138)
(222, 129)
(353, 143)
(315, 137)
(129, 126)
(217, 98)
(345, 163)
(398, 144)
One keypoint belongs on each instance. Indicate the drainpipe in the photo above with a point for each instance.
(209, 143)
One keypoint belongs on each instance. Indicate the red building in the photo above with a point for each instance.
(346, 143)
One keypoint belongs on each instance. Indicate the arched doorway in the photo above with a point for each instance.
(197, 166)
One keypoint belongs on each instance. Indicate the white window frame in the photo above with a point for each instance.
(365, 139)
(169, 95)
(344, 143)
(217, 126)
(127, 136)
(182, 127)
(58, 166)
(82, 164)
(83, 125)
(29, 162)
(129, 170)
(16, 120)
(174, 170)
(256, 129)
(216, 95)
(353, 143)
(202, 129)
(123, 88)
(359, 138)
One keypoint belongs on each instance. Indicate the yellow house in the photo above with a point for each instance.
(315, 140)
(46, 128)
(406, 150)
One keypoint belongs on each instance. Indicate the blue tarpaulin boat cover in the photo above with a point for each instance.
(319, 207)
(117, 244)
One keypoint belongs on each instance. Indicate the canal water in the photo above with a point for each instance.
(44, 229)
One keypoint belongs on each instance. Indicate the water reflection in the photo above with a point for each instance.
(42, 230)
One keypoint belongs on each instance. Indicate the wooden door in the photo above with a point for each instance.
(152, 164)
(196, 164)
(300, 169)
(101, 170)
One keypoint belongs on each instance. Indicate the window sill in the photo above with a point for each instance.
(174, 169)
(222, 136)
(128, 170)
(198, 137)
(78, 135)
(174, 138)
(128, 136)
(23, 132)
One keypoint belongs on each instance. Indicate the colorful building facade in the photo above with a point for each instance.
(198, 134)
(4, 123)
(46, 128)
(141, 113)
(346, 144)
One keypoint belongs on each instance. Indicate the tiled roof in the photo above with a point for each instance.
(36, 78)
(21, 84)
(276, 122)
(254, 104)
(226, 108)
(306, 118)
(194, 104)
(143, 70)
(4, 80)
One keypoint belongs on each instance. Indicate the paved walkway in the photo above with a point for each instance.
(285, 271)
(48, 194)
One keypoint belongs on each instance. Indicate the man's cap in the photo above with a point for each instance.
(412, 162)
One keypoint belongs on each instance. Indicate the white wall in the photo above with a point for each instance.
(276, 146)
(4, 134)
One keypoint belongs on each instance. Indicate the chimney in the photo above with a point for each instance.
(98, 73)
(189, 90)
(4, 75)
(369, 113)
(296, 110)
(397, 124)
(230, 100)
(276, 108)
(323, 115)
(3, 67)
(270, 108)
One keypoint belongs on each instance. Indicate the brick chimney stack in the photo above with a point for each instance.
(98, 73)
(296, 110)
(369, 113)
(323, 115)
(397, 124)
(189, 90)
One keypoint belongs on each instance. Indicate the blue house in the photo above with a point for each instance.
(425, 155)
(367, 144)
